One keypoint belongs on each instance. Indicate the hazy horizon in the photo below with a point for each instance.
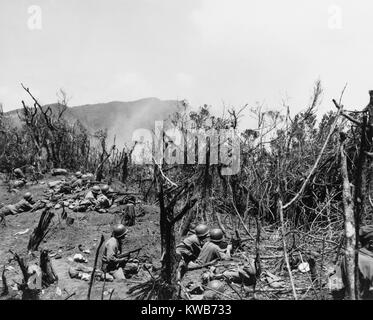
(215, 52)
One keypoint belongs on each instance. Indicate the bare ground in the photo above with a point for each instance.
(86, 231)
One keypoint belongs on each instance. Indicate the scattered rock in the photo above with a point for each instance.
(58, 291)
(196, 289)
(131, 268)
(54, 184)
(73, 273)
(304, 267)
(85, 276)
(79, 258)
(21, 232)
(273, 280)
(59, 171)
(213, 289)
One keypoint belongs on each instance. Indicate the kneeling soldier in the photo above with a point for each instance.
(111, 261)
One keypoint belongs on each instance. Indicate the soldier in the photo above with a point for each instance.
(19, 183)
(109, 193)
(24, 205)
(90, 200)
(103, 201)
(189, 249)
(19, 174)
(92, 195)
(211, 249)
(365, 262)
(111, 261)
(77, 181)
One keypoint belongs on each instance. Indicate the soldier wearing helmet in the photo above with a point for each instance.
(189, 248)
(105, 189)
(211, 249)
(28, 197)
(19, 173)
(77, 180)
(365, 265)
(111, 262)
(24, 205)
(90, 200)
(103, 201)
(92, 195)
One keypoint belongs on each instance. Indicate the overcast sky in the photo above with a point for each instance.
(206, 51)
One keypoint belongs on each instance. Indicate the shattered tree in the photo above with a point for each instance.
(167, 230)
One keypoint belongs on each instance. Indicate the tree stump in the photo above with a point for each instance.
(48, 274)
(129, 216)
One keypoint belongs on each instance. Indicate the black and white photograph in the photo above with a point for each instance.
(186, 156)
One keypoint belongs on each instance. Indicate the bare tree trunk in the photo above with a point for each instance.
(169, 263)
(48, 274)
(369, 166)
(360, 183)
(41, 230)
(187, 222)
(349, 227)
(124, 169)
(280, 207)
(5, 289)
(102, 240)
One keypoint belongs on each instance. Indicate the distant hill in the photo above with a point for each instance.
(120, 118)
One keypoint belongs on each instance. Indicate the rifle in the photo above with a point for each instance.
(120, 193)
(236, 241)
(128, 253)
(40, 204)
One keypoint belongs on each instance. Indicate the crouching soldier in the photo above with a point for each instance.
(190, 248)
(111, 261)
(365, 262)
(19, 174)
(212, 251)
(68, 186)
(103, 202)
(90, 200)
(24, 205)
(76, 181)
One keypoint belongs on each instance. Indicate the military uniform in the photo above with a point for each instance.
(189, 248)
(102, 202)
(19, 174)
(365, 263)
(17, 208)
(77, 183)
(211, 251)
(90, 199)
(110, 260)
